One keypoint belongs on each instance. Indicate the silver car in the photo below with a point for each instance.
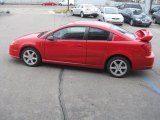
(111, 15)
(85, 10)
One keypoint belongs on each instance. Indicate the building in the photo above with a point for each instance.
(96, 2)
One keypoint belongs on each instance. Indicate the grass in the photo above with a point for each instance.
(61, 11)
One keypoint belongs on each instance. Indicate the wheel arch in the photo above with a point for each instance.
(28, 46)
(118, 55)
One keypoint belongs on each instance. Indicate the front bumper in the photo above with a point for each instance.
(142, 23)
(14, 50)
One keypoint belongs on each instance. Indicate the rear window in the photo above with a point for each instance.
(121, 30)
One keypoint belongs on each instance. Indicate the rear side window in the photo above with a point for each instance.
(98, 34)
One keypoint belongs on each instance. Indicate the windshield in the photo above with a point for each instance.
(111, 11)
(89, 6)
(137, 12)
(127, 33)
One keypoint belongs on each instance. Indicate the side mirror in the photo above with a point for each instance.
(50, 38)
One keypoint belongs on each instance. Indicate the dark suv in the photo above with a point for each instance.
(130, 5)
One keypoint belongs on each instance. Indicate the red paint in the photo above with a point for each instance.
(88, 53)
(49, 3)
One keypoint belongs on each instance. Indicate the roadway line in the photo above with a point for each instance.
(154, 87)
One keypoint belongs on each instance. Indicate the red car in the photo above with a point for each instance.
(49, 4)
(87, 44)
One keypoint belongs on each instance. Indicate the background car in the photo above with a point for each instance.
(135, 16)
(49, 3)
(110, 14)
(156, 17)
(85, 10)
(87, 44)
(65, 2)
(155, 9)
(129, 5)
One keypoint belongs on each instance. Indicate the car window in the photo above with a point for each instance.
(121, 7)
(137, 12)
(98, 34)
(119, 29)
(111, 10)
(71, 33)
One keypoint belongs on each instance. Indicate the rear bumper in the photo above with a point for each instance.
(144, 63)
(149, 60)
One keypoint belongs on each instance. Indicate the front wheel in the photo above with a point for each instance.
(132, 23)
(31, 57)
(118, 67)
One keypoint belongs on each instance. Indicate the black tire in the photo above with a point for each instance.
(132, 23)
(154, 21)
(36, 55)
(82, 15)
(72, 13)
(125, 64)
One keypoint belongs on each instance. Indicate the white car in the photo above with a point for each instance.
(85, 10)
(111, 15)
(65, 2)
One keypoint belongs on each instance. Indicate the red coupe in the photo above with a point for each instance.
(49, 4)
(88, 44)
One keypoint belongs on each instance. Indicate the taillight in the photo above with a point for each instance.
(147, 48)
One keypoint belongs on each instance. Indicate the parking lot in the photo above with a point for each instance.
(55, 92)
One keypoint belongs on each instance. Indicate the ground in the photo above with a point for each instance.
(54, 92)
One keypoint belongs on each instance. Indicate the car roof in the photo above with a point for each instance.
(90, 23)
(132, 9)
(110, 7)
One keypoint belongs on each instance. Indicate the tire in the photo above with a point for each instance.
(31, 57)
(72, 13)
(132, 23)
(82, 15)
(118, 67)
(154, 21)
(60, 4)
(104, 20)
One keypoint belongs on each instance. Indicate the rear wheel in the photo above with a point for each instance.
(31, 57)
(118, 67)
(72, 13)
(82, 15)
(154, 21)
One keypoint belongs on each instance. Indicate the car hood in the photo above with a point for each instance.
(29, 36)
(140, 16)
(113, 16)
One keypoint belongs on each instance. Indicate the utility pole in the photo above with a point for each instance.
(147, 6)
(68, 5)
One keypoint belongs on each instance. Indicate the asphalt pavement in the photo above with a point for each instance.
(56, 92)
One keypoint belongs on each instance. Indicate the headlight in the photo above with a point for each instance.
(13, 42)
(137, 19)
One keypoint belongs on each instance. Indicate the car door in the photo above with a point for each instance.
(97, 41)
(66, 45)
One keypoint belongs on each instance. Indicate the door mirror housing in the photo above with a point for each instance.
(50, 37)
